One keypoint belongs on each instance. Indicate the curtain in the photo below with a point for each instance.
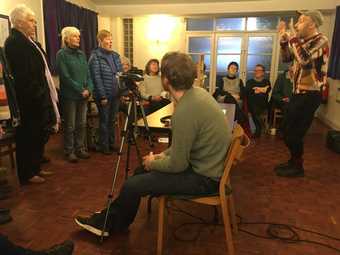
(334, 61)
(59, 14)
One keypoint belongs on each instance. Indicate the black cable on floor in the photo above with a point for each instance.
(275, 231)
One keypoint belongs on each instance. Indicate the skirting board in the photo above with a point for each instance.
(329, 123)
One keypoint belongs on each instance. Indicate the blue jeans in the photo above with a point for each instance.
(124, 209)
(74, 125)
(107, 115)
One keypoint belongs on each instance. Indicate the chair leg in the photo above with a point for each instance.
(233, 214)
(161, 220)
(226, 221)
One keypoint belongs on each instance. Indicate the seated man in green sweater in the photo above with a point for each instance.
(193, 165)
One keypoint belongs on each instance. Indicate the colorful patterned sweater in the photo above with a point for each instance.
(310, 62)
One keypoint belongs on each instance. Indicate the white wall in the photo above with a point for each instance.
(155, 35)
(330, 113)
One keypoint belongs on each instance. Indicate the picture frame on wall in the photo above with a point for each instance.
(5, 26)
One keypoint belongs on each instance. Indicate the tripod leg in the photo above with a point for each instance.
(109, 201)
(148, 131)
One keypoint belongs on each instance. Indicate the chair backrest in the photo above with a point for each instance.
(238, 143)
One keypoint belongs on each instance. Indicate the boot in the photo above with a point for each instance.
(295, 169)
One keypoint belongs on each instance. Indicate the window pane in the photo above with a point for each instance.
(199, 44)
(229, 45)
(224, 60)
(258, 45)
(287, 19)
(262, 23)
(253, 60)
(225, 24)
(195, 58)
(200, 24)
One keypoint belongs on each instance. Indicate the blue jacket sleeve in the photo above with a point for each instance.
(96, 76)
(118, 63)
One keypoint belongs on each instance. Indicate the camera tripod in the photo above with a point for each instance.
(128, 136)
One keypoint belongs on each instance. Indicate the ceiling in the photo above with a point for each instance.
(137, 2)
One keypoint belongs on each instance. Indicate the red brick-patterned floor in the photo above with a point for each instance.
(43, 214)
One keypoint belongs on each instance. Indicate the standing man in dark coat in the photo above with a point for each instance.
(32, 82)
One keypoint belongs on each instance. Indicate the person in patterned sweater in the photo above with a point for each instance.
(309, 51)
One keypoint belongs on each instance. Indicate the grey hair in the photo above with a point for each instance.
(66, 32)
(19, 13)
(125, 60)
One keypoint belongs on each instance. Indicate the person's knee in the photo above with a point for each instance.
(137, 184)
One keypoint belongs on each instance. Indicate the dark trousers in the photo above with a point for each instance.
(8, 248)
(124, 209)
(30, 141)
(107, 116)
(256, 113)
(299, 117)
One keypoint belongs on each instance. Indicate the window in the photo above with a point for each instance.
(262, 23)
(200, 24)
(228, 24)
(247, 41)
(128, 38)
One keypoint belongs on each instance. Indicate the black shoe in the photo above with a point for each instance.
(93, 224)
(72, 158)
(292, 171)
(283, 165)
(82, 154)
(65, 248)
(5, 218)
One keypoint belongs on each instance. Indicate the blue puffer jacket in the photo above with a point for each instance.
(103, 74)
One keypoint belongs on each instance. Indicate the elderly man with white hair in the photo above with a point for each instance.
(35, 93)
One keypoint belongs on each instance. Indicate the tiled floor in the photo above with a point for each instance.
(43, 214)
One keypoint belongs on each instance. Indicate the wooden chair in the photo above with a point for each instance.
(277, 114)
(224, 198)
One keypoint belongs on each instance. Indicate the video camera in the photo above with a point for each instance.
(128, 79)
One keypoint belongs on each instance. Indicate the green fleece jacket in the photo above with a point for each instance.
(200, 136)
(73, 73)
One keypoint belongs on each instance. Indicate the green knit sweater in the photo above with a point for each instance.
(73, 73)
(200, 136)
